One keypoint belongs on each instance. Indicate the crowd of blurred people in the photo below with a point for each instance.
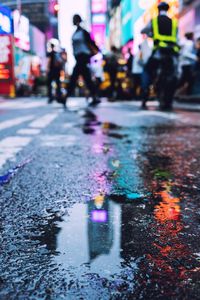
(115, 74)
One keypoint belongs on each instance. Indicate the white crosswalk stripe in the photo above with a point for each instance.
(12, 145)
(22, 104)
(28, 131)
(15, 122)
(44, 121)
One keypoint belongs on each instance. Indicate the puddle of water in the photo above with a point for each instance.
(93, 126)
(91, 235)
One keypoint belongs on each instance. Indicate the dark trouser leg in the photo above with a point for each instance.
(73, 79)
(190, 79)
(113, 77)
(187, 77)
(49, 82)
(137, 84)
(148, 77)
(145, 86)
(58, 86)
(85, 71)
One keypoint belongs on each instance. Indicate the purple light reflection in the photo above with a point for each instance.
(99, 216)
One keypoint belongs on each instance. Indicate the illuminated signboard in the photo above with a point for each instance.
(127, 33)
(21, 31)
(99, 19)
(6, 25)
(99, 34)
(6, 64)
(99, 6)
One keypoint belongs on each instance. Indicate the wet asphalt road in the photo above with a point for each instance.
(99, 203)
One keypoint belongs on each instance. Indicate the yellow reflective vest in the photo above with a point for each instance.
(163, 41)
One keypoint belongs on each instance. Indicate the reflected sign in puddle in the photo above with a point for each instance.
(91, 236)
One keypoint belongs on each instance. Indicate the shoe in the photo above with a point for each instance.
(64, 102)
(95, 101)
(143, 106)
(50, 100)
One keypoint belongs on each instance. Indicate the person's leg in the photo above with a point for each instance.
(85, 72)
(137, 85)
(113, 77)
(183, 78)
(98, 84)
(49, 82)
(58, 86)
(190, 79)
(145, 83)
(73, 79)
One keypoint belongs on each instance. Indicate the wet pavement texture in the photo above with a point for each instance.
(102, 203)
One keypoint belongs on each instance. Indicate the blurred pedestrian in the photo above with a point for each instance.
(112, 68)
(63, 55)
(54, 66)
(98, 73)
(84, 48)
(197, 67)
(163, 30)
(187, 62)
(130, 61)
(137, 70)
(140, 60)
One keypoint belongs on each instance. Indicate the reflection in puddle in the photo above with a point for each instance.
(91, 236)
(169, 208)
(97, 235)
(93, 126)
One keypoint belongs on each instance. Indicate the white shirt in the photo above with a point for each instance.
(141, 57)
(97, 70)
(187, 56)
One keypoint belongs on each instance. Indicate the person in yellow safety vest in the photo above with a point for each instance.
(164, 32)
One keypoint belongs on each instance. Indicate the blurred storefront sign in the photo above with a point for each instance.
(98, 17)
(115, 28)
(38, 44)
(21, 31)
(99, 33)
(190, 18)
(187, 23)
(6, 65)
(99, 6)
(6, 24)
(127, 32)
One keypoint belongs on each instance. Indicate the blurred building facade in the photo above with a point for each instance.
(41, 13)
(98, 10)
(127, 18)
(31, 29)
(123, 20)
(189, 17)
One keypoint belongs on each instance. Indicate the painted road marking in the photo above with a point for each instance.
(29, 131)
(150, 113)
(22, 104)
(44, 121)
(15, 122)
(10, 146)
(59, 140)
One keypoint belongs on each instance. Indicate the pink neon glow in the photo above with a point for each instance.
(99, 216)
(99, 6)
(99, 34)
